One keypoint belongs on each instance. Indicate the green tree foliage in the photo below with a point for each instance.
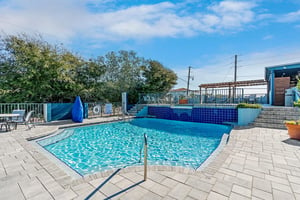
(32, 70)
(157, 78)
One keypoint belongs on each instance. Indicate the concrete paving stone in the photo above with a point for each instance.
(208, 179)
(168, 198)
(134, 177)
(261, 194)
(276, 179)
(235, 196)
(222, 187)
(262, 184)
(109, 189)
(238, 181)
(254, 173)
(151, 196)
(278, 174)
(11, 192)
(161, 190)
(280, 195)
(199, 184)
(43, 196)
(97, 182)
(297, 196)
(282, 170)
(198, 194)
(228, 172)
(135, 193)
(156, 176)
(54, 188)
(236, 167)
(116, 179)
(94, 196)
(245, 177)
(180, 191)
(169, 182)
(66, 195)
(180, 177)
(281, 187)
(31, 188)
(294, 179)
(147, 184)
(124, 183)
(216, 196)
(295, 187)
(83, 188)
(241, 190)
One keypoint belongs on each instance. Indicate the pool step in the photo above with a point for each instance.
(274, 117)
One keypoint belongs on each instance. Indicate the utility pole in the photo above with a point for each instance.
(235, 67)
(188, 82)
(235, 75)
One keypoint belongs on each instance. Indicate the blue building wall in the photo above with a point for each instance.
(202, 115)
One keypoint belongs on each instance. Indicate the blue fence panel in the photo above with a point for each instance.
(62, 111)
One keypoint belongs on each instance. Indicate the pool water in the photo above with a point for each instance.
(97, 148)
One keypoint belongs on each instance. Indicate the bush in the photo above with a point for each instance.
(297, 104)
(293, 122)
(247, 105)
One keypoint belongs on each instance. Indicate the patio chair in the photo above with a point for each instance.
(17, 120)
(5, 124)
(28, 120)
(252, 98)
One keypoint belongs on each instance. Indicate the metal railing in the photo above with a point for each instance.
(145, 156)
(207, 96)
(37, 108)
(100, 109)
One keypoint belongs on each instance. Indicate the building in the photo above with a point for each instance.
(279, 79)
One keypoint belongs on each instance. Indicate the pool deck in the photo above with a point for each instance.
(257, 163)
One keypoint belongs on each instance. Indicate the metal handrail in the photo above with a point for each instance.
(145, 155)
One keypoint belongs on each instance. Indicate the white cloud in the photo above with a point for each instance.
(234, 13)
(290, 17)
(69, 18)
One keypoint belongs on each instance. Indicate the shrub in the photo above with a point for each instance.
(247, 105)
(293, 122)
(297, 104)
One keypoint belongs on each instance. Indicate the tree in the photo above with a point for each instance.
(34, 71)
(157, 78)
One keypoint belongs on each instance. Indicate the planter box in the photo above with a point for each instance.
(247, 115)
(294, 131)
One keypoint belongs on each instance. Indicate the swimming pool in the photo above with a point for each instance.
(102, 147)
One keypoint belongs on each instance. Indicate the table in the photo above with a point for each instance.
(6, 118)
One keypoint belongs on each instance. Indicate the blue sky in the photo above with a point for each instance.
(203, 34)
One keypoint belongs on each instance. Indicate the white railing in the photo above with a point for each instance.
(37, 108)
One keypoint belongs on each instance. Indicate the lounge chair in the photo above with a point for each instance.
(28, 120)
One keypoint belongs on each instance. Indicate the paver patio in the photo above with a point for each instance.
(257, 163)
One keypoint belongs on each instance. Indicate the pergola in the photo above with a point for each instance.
(231, 85)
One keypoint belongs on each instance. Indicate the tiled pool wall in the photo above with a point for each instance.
(195, 114)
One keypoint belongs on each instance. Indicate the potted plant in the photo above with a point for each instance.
(183, 100)
(293, 127)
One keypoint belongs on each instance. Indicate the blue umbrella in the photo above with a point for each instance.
(77, 110)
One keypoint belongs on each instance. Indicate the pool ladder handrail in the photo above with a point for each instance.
(145, 155)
